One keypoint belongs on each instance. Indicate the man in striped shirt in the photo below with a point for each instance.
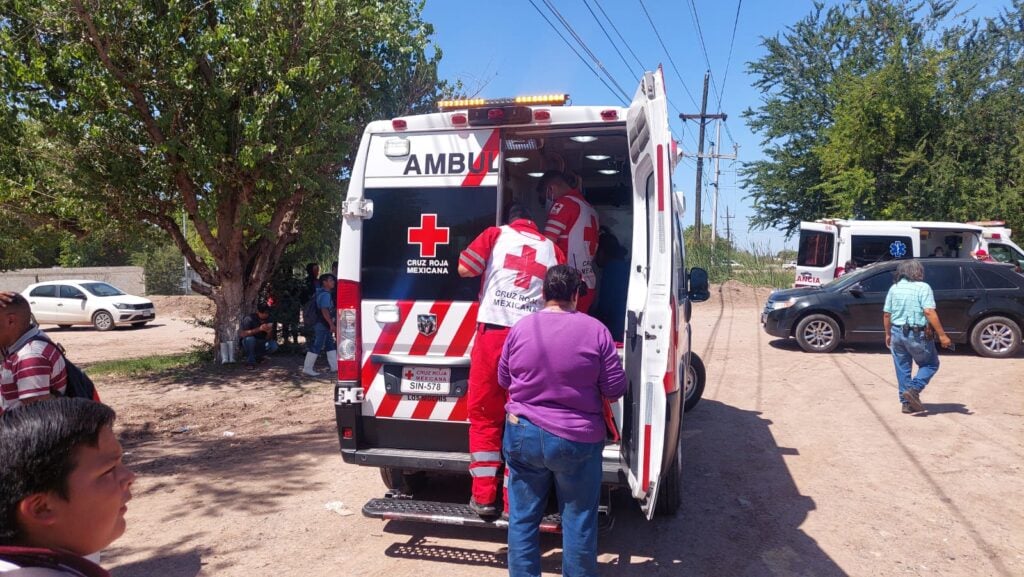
(33, 368)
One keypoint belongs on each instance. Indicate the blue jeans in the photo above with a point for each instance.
(913, 348)
(534, 458)
(256, 347)
(323, 339)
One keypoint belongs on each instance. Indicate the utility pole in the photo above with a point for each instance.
(702, 118)
(717, 155)
(728, 225)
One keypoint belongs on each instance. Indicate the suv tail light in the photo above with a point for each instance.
(348, 330)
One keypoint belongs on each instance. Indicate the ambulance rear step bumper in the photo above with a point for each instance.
(405, 509)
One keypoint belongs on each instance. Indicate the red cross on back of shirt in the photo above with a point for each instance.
(526, 265)
(590, 236)
(428, 235)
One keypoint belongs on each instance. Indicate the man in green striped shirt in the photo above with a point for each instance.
(909, 314)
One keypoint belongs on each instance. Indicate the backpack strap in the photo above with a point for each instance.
(66, 563)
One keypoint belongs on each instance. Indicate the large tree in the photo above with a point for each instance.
(244, 114)
(879, 109)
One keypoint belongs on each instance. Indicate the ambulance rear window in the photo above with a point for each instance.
(411, 245)
(816, 248)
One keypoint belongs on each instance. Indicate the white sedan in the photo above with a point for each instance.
(86, 302)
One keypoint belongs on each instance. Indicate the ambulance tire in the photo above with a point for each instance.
(694, 389)
(401, 481)
(670, 494)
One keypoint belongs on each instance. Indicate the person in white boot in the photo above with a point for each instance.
(325, 328)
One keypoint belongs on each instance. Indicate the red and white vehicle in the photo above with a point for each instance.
(422, 188)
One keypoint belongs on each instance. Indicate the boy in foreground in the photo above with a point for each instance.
(63, 488)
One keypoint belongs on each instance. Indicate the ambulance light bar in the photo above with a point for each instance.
(541, 99)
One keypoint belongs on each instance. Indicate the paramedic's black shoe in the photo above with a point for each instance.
(907, 410)
(913, 399)
(488, 510)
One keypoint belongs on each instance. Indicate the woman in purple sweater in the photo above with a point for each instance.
(558, 365)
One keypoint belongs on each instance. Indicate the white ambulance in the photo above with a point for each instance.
(826, 245)
(422, 188)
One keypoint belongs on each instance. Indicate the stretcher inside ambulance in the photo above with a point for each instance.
(422, 188)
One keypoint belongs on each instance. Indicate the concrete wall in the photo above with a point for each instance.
(130, 279)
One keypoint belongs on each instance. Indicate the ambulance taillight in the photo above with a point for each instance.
(348, 330)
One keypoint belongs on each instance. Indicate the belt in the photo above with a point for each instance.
(492, 327)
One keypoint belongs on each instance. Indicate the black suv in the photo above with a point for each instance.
(978, 302)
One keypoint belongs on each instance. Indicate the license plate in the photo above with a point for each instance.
(426, 380)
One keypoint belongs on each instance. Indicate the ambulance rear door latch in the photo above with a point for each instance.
(357, 208)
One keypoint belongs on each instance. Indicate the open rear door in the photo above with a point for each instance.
(650, 319)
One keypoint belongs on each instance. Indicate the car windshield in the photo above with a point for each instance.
(101, 289)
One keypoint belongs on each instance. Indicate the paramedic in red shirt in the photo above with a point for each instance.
(512, 260)
(572, 225)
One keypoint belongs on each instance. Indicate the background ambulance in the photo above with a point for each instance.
(422, 188)
(826, 245)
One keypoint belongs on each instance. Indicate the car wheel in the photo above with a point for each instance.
(693, 386)
(64, 326)
(996, 337)
(818, 334)
(103, 321)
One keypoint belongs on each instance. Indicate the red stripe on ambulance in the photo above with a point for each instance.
(420, 346)
(385, 341)
(482, 164)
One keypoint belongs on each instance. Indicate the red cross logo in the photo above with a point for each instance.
(428, 235)
(527, 266)
(590, 236)
(408, 375)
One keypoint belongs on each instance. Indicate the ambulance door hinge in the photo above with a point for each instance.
(357, 208)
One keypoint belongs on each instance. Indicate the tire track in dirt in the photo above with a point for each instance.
(729, 339)
(937, 489)
(759, 349)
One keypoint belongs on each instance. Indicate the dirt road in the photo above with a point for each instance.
(796, 464)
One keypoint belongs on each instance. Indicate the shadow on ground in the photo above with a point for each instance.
(741, 514)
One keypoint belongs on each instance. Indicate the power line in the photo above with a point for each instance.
(571, 47)
(667, 53)
(619, 34)
(586, 49)
(608, 36)
(695, 18)
(728, 60)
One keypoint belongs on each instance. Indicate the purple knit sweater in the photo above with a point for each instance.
(556, 367)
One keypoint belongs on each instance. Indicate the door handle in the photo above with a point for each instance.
(60, 304)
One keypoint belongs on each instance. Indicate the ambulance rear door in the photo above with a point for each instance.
(432, 193)
(817, 254)
(649, 331)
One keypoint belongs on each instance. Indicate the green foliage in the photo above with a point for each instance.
(244, 114)
(872, 109)
(164, 269)
(148, 366)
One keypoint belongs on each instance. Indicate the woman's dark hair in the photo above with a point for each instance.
(38, 445)
(562, 282)
(310, 268)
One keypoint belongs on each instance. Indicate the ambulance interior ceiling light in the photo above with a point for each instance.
(608, 171)
(583, 139)
(521, 144)
(516, 159)
(598, 156)
(535, 174)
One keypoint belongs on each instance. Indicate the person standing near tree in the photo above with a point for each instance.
(324, 329)
(512, 260)
(33, 367)
(573, 226)
(911, 322)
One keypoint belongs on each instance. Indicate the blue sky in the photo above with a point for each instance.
(504, 48)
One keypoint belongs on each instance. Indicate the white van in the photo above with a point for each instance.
(422, 188)
(826, 245)
(995, 239)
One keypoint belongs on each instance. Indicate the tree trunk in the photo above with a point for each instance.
(229, 299)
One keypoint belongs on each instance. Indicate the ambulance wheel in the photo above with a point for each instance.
(818, 334)
(693, 387)
(670, 495)
(401, 481)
